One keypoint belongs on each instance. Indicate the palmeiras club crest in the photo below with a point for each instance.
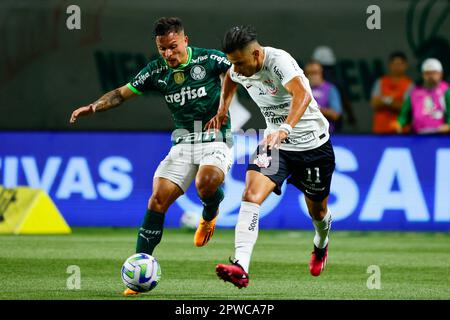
(198, 72)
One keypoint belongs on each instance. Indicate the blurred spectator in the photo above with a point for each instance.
(388, 94)
(326, 57)
(427, 109)
(325, 93)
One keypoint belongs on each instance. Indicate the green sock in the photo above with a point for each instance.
(211, 204)
(150, 232)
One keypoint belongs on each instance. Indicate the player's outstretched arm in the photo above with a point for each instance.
(300, 101)
(229, 88)
(109, 100)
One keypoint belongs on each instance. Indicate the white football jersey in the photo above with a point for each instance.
(266, 87)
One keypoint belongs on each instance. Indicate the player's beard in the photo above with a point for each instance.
(430, 84)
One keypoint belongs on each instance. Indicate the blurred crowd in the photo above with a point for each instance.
(399, 104)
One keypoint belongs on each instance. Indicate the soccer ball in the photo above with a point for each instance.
(141, 272)
(190, 220)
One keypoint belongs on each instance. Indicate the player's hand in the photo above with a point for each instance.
(82, 111)
(387, 100)
(274, 139)
(216, 122)
(445, 128)
(397, 127)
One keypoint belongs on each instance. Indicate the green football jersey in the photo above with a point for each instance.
(191, 91)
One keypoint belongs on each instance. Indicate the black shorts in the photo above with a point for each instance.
(310, 171)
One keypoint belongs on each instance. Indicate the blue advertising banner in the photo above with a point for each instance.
(105, 179)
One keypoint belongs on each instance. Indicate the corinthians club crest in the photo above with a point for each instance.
(178, 77)
(198, 72)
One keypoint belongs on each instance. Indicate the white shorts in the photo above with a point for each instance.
(183, 161)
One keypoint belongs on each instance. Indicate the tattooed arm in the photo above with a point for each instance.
(109, 100)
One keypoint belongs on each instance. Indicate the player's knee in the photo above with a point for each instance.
(318, 207)
(253, 196)
(158, 203)
(317, 210)
(207, 185)
(318, 214)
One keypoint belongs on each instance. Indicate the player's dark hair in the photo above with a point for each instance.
(399, 55)
(164, 26)
(238, 38)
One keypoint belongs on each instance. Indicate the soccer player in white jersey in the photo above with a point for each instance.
(296, 146)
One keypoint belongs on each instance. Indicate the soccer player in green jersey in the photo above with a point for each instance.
(189, 78)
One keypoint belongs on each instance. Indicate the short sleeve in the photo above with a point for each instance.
(376, 89)
(142, 81)
(234, 75)
(219, 62)
(285, 68)
(335, 100)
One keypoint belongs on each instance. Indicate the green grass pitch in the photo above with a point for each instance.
(413, 265)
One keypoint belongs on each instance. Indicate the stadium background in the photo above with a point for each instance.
(47, 70)
(98, 172)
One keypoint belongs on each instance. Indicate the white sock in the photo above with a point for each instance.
(246, 233)
(322, 230)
